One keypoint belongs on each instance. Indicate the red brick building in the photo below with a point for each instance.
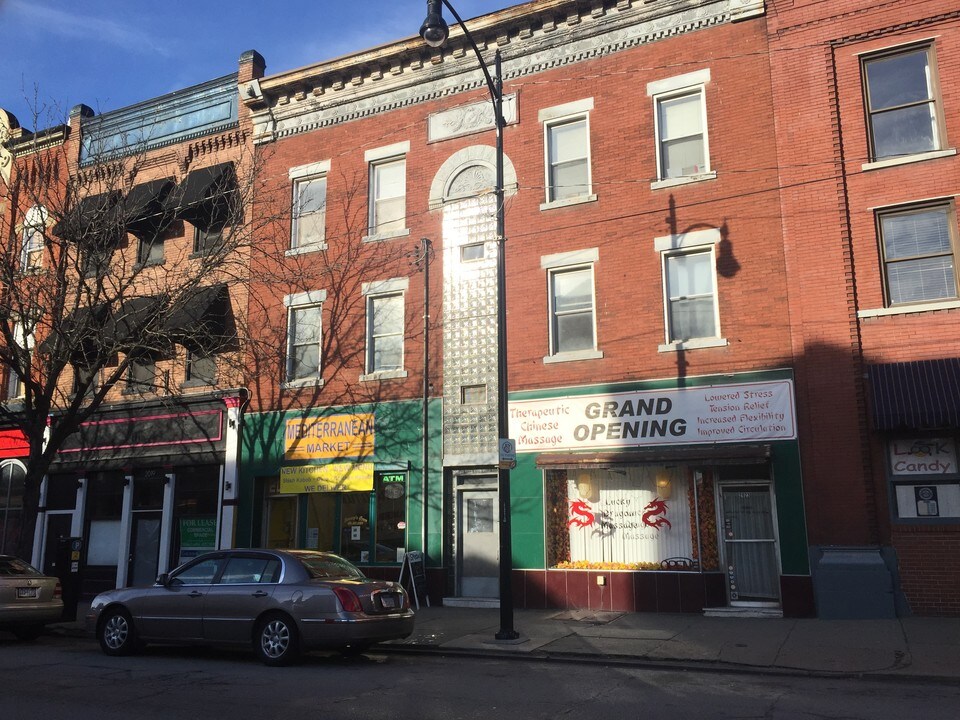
(868, 115)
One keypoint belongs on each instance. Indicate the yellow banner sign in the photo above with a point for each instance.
(331, 437)
(334, 477)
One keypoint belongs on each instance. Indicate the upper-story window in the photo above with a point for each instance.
(691, 310)
(388, 190)
(385, 327)
(309, 206)
(919, 248)
(566, 130)
(902, 103)
(680, 119)
(304, 336)
(34, 229)
(572, 305)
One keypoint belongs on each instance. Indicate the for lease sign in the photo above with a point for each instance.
(717, 413)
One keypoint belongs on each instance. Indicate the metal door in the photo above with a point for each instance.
(479, 543)
(750, 552)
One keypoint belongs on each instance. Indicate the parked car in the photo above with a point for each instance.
(28, 598)
(280, 602)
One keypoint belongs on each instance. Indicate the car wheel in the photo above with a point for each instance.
(276, 641)
(31, 632)
(117, 635)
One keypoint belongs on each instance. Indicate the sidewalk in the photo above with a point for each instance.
(913, 648)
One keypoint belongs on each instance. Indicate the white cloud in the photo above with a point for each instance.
(42, 18)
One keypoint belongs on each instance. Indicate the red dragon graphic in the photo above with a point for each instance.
(656, 507)
(582, 509)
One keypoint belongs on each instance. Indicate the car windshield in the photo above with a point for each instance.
(13, 566)
(328, 566)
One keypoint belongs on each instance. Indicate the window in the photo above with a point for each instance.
(208, 239)
(309, 206)
(918, 246)
(34, 227)
(473, 394)
(572, 314)
(385, 328)
(150, 250)
(309, 212)
(567, 152)
(923, 472)
(680, 117)
(690, 289)
(304, 324)
(388, 190)
(901, 103)
(15, 389)
(24, 339)
(85, 377)
(141, 374)
(201, 368)
(571, 310)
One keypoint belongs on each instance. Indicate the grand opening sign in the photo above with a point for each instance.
(718, 413)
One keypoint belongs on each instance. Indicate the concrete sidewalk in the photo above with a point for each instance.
(908, 648)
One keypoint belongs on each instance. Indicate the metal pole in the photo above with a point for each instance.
(425, 254)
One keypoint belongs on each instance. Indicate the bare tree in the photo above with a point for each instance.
(90, 311)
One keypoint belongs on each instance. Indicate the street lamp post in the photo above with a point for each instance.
(435, 32)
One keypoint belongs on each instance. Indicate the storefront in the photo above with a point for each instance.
(916, 423)
(144, 490)
(658, 497)
(343, 479)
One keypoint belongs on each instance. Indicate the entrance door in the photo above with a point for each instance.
(751, 556)
(144, 548)
(479, 542)
(282, 522)
(58, 526)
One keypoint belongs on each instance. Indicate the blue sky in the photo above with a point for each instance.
(112, 53)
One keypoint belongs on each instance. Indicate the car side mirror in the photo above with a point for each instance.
(163, 579)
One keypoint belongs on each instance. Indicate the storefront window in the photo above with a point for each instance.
(194, 512)
(11, 505)
(630, 518)
(321, 521)
(925, 477)
(104, 508)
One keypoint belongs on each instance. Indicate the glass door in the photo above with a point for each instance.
(751, 556)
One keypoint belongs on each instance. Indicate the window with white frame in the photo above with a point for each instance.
(691, 310)
(572, 305)
(34, 227)
(388, 189)
(385, 327)
(902, 102)
(25, 342)
(566, 132)
(304, 326)
(309, 206)
(680, 119)
(919, 246)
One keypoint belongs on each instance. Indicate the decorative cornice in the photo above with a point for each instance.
(534, 37)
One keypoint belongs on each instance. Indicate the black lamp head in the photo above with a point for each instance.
(434, 30)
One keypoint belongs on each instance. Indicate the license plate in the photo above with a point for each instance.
(389, 601)
(27, 592)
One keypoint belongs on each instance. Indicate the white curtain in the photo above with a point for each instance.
(638, 514)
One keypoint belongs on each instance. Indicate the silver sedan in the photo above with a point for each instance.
(28, 598)
(281, 602)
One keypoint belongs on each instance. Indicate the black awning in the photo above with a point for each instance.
(919, 395)
(201, 323)
(205, 196)
(718, 454)
(126, 326)
(95, 210)
(144, 209)
(80, 334)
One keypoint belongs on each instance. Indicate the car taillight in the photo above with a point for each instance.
(349, 599)
(58, 592)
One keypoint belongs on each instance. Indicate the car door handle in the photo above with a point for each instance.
(260, 593)
(195, 593)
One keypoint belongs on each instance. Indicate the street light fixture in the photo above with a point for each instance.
(435, 32)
